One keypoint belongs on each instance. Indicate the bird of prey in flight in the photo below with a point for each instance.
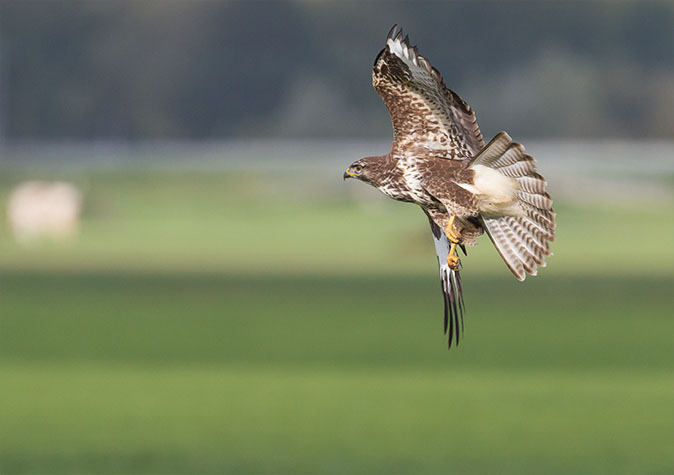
(439, 161)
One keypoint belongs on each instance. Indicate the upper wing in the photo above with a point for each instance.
(423, 111)
(450, 282)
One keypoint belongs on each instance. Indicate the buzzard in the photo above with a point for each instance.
(438, 160)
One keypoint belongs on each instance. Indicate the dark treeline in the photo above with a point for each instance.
(80, 70)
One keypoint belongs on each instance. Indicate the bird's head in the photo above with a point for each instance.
(366, 169)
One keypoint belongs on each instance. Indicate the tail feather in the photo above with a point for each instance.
(540, 200)
(534, 233)
(493, 150)
(522, 241)
(542, 217)
(514, 154)
(539, 231)
(532, 184)
(523, 254)
(497, 231)
(519, 169)
(535, 248)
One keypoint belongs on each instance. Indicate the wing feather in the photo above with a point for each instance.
(450, 283)
(423, 111)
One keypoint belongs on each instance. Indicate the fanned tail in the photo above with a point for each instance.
(522, 241)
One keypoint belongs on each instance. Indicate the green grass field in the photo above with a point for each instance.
(209, 323)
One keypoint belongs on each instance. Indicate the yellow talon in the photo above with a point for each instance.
(452, 235)
(452, 258)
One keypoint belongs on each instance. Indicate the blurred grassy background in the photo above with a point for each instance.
(250, 322)
(230, 306)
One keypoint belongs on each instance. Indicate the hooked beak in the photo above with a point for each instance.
(348, 174)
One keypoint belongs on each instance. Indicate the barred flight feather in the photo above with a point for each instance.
(418, 100)
(535, 248)
(513, 155)
(537, 234)
(531, 184)
(540, 200)
(542, 216)
(493, 150)
(518, 169)
(522, 241)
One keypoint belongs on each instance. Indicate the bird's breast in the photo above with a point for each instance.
(412, 178)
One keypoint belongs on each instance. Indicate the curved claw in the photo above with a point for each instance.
(452, 258)
(453, 236)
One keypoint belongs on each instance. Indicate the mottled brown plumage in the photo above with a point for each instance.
(438, 160)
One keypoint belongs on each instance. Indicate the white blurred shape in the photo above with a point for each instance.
(38, 209)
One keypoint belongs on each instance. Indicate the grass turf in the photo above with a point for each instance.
(208, 323)
(223, 374)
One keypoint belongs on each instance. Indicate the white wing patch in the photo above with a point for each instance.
(402, 51)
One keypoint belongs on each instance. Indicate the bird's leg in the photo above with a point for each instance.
(452, 258)
(454, 237)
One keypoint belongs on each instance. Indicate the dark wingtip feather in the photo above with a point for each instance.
(391, 32)
(445, 301)
(436, 75)
(459, 298)
(456, 316)
(451, 301)
(451, 326)
(460, 294)
(454, 297)
(415, 53)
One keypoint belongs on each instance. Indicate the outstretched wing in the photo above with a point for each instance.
(423, 111)
(450, 283)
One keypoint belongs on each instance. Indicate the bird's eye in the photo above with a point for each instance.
(357, 168)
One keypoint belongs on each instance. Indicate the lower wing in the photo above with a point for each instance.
(451, 285)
